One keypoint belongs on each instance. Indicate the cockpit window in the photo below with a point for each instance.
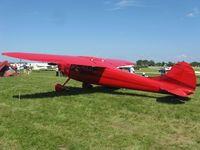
(83, 68)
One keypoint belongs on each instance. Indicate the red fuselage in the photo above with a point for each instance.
(110, 77)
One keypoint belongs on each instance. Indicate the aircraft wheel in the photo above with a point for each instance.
(59, 88)
(86, 86)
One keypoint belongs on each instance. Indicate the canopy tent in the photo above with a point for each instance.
(6, 69)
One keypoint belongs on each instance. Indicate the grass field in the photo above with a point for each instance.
(33, 116)
(197, 68)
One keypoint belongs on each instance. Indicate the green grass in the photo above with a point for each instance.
(149, 71)
(33, 116)
(197, 68)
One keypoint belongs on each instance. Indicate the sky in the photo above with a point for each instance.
(161, 30)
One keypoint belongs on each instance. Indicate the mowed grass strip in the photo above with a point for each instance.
(34, 116)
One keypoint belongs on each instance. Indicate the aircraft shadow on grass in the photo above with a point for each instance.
(172, 99)
(99, 89)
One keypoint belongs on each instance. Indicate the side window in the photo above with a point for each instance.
(84, 69)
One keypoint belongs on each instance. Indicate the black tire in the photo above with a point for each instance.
(86, 85)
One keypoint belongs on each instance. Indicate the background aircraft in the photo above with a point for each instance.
(180, 80)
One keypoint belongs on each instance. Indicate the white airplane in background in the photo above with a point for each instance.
(197, 72)
(40, 66)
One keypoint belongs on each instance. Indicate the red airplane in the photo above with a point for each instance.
(180, 80)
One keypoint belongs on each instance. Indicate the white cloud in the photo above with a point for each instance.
(122, 4)
(190, 15)
(182, 56)
(193, 13)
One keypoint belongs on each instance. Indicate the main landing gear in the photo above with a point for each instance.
(86, 85)
(60, 87)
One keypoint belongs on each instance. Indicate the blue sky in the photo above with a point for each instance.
(162, 30)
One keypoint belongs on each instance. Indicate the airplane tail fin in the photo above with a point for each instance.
(180, 80)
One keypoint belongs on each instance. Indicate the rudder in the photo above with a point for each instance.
(183, 73)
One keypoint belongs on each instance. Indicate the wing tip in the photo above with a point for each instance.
(6, 53)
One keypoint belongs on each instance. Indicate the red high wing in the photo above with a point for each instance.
(77, 60)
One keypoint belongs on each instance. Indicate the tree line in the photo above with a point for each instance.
(147, 63)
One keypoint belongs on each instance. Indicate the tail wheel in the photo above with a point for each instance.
(86, 85)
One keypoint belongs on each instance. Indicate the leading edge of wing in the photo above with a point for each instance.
(61, 59)
(50, 58)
